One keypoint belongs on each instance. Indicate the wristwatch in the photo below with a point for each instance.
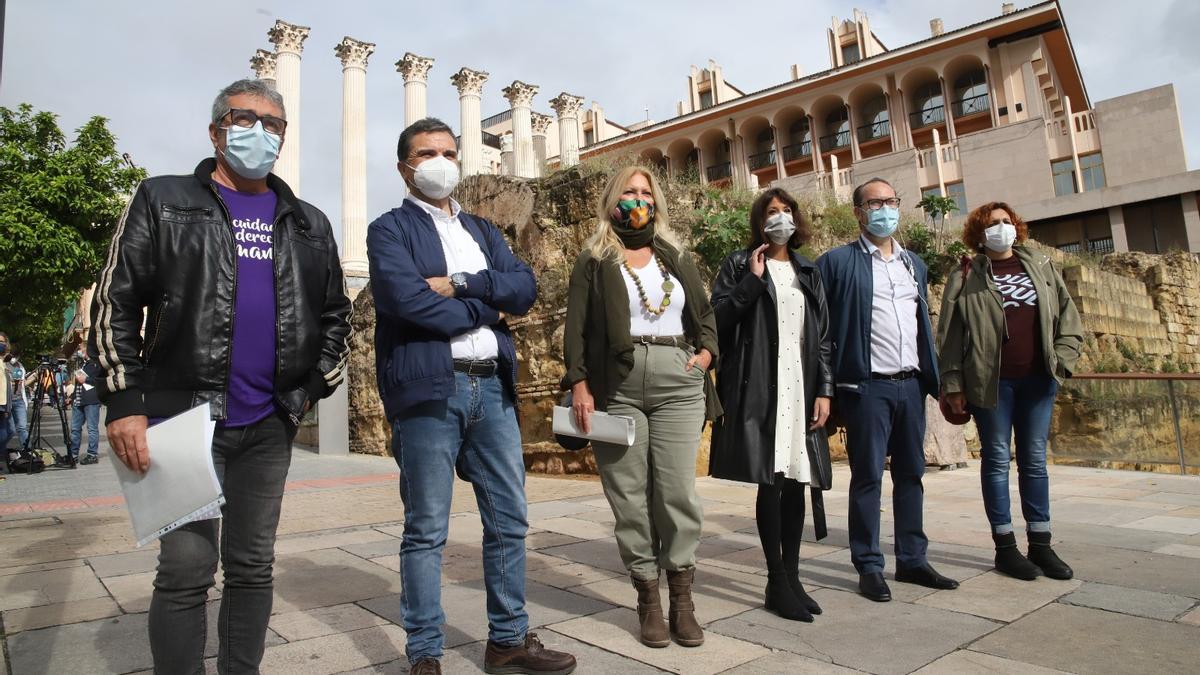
(458, 281)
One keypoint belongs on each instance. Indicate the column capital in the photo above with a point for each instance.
(567, 105)
(288, 37)
(414, 68)
(469, 81)
(541, 123)
(263, 63)
(520, 94)
(354, 53)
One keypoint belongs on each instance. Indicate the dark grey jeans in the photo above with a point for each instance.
(252, 464)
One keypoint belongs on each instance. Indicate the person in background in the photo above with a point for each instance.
(84, 401)
(775, 384)
(639, 340)
(1008, 335)
(18, 414)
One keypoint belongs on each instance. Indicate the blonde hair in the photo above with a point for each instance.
(604, 242)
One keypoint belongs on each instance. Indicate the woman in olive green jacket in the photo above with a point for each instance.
(1008, 335)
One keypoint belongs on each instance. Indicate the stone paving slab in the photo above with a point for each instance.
(995, 596)
(118, 564)
(967, 662)
(1167, 524)
(600, 553)
(328, 577)
(591, 660)
(616, 631)
(133, 591)
(1169, 574)
(338, 652)
(1092, 640)
(31, 589)
(786, 663)
(315, 542)
(307, 624)
(60, 614)
(1130, 601)
(851, 630)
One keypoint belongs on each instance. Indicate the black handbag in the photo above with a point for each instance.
(817, 442)
(571, 443)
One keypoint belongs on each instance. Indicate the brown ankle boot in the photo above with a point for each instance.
(684, 628)
(650, 614)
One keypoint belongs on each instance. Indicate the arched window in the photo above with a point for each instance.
(874, 120)
(799, 143)
(837, 127)
(970, 93)
(929, 106)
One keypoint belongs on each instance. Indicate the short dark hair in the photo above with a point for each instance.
(758, 216)
(857, 199)
(423, 126)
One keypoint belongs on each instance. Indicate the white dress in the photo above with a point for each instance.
(791, 425)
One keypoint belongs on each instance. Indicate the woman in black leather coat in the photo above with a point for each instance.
(775, 383)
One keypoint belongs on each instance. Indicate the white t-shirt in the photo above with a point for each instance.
(642, 322)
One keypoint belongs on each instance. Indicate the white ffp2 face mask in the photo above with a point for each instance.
(1000, 237)
(436, 177)
(779, 228)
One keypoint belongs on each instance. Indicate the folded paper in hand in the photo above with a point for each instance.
(181, 484)
(606, 428)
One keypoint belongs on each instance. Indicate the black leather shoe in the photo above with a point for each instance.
(873, 587)
(926, 576)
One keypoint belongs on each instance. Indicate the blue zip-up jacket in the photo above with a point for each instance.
(846, 273)
(414, 324)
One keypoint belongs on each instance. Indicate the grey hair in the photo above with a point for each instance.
(257, 88)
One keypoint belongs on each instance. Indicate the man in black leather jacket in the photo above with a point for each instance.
(247, 313)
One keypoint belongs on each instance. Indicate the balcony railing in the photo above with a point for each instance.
(840, 139)
(797, 150)
(874, 131)
(491, 140)
(718, 171)
(761, 160)
(928, 117)
(971, 105)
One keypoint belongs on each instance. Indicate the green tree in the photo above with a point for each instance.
(59, 203)
(938, 208)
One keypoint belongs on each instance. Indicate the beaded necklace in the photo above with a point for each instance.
(667, 287)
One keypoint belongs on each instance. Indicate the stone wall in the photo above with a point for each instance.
(1172, 282)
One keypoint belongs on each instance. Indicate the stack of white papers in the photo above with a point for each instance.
(616, 429)
(181, 484)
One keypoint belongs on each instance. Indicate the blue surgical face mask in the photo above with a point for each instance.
(882, 222)
(251, 151)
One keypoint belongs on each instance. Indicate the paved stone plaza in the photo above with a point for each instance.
(74, 590)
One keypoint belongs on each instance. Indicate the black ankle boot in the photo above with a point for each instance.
(793, 580)
(1043, 556)
(781, 600)
(1010, 561)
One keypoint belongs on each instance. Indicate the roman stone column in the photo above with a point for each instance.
(353, 55)
(520, 97)
(263, 64)
(567, 106)
(541, 125)
(470, 88)
(415, 71)
(289, 44)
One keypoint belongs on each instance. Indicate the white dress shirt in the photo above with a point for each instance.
(893, 311)
(462, 255)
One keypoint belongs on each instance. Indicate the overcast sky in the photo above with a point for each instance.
(153, 68)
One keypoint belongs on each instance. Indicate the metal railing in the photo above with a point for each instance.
(491, 140)
(971, 105)
(761, 160)
(874, 131)
(797, 150)
(719, 171)
(834, 141)
(1130, 418)
(928, 116)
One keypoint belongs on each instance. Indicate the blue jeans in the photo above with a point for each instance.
(252, 464)
(887, 419)
(1024, 406)
(18, 420)
(475, 431)
(78, 413)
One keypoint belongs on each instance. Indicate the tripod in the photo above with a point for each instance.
(46, 381)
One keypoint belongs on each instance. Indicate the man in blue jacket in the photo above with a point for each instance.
(884, 365)
(443, 282)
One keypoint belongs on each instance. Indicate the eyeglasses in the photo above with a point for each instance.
(873, 204)
(246, 119)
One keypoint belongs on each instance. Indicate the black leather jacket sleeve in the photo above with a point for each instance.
(115, 341)
(825, 341)
(335, 329)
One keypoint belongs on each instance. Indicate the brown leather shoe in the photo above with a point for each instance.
(650, 614)
(530, 657)
(684, 628)
(426, 667)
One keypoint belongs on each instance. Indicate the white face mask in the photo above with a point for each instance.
(779, 228)
(1000, 237)
(436, 177)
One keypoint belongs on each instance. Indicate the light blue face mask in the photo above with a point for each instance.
(882, 222)
(251, 151)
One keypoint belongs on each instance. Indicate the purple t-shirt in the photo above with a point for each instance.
(252, 363)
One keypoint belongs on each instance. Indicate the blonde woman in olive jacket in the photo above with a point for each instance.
(1008, 335)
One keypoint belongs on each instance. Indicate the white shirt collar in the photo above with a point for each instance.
(872, 249)
(435, 211)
